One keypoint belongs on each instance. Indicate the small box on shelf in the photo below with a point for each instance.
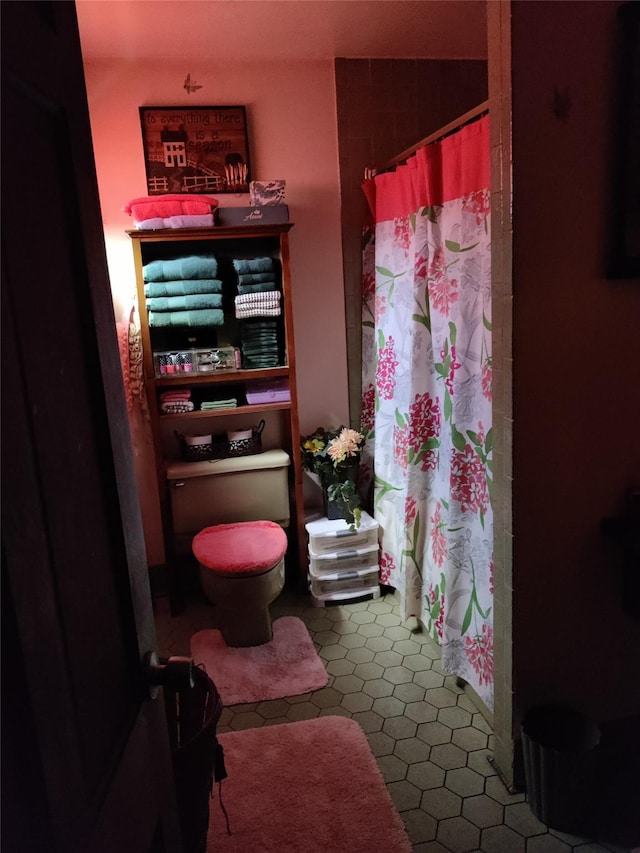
(195, 361)
(269, 391)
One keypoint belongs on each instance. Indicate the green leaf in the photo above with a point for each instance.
(486, 323)
(456, 247)
(368, 323)
(452, 333)
(380, 339)
(445, 504)
(467, 617)
(488, 442)
(385, 271)
(457, 439)
(430, 444)
(431, 212)
(448, 406)
(474, 437)
(400, 419)
(422, 318)
(440, 368)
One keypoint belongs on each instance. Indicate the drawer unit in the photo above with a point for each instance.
(361, 581)
(328, 598)
(331, 537)
(348, 560)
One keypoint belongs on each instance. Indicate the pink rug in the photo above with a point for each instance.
(307, 787)
(287, 666)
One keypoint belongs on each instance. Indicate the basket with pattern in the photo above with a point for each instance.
(223, 446)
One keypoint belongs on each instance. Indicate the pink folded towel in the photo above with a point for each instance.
(164, 206)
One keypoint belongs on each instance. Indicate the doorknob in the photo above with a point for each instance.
(175, 672)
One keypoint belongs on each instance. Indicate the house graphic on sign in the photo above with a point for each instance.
(174, 147)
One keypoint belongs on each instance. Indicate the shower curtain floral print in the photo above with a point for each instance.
(426, 406)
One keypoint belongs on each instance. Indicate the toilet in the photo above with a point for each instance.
(241, 567)
(222, 491)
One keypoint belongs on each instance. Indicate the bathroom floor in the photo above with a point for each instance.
(430, 742)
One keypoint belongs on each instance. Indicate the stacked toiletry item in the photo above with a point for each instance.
(183, 292)
(343, 560)
(150, 213)
(257, 301)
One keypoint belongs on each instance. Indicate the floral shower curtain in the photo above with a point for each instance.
(426, 409)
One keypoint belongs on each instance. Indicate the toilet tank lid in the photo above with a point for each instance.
(255, 462)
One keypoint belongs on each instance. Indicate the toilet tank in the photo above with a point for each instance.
(244, 488)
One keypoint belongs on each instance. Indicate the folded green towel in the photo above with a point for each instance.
(183, 288)
(191, 266)
(253, 265)
(256, 277)
(261, 287)
(205, 317)
(185, 303)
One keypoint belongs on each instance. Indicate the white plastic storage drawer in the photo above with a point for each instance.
(361, 580)
(330, 537)
(343, 561)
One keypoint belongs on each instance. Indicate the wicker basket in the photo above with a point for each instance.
(221, 448)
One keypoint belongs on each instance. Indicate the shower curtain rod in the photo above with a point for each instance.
(474, 114)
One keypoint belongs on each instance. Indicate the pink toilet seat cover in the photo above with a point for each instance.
(241, 548)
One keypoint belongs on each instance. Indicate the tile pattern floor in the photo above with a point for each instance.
(430, 742)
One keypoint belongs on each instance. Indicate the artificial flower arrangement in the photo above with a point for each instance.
(333, 455)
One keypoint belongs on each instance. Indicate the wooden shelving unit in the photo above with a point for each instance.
(225, 243)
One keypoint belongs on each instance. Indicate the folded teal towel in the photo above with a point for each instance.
(262, 287)
(185, 303)
(256, 277)
(183, 288)
(205, 317)
(191, 266)
(253, 265)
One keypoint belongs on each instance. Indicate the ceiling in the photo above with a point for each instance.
(282, 29)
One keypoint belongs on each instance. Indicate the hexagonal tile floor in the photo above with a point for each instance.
(430, 742)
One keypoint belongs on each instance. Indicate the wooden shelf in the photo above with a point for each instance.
(219, 413)
(227, 377)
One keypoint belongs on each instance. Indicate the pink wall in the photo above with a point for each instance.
(576, 369)
(292, 129)
(291, 118)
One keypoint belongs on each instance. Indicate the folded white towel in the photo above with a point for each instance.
(204, 220)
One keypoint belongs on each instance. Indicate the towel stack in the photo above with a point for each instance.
(255, 274)
(183, 292)
(214, 405)
(258, 305)
(175, 402)
(257, 297)
(171, 211)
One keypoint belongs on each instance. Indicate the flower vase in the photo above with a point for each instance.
(335, 510)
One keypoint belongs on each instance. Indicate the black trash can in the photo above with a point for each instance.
(560, 748)
(192, 717)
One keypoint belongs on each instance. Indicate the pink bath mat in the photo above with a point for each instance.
(312, 786)
(286, 666)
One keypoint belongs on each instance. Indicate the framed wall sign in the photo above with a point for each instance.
(195, 149)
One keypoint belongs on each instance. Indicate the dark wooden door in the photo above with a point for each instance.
(85, 755)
